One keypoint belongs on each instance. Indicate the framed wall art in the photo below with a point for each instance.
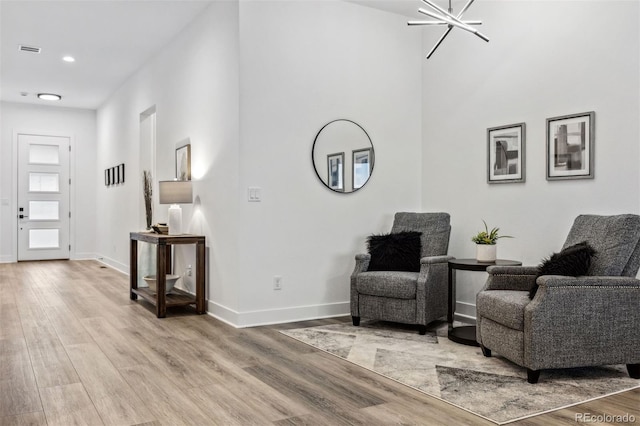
(361, 167)
(335, 164)
(183, 162)
(570, 146)
(506, 153)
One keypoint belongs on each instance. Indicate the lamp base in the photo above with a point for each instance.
(175, 220)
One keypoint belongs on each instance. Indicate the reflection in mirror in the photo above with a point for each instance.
(343, 156)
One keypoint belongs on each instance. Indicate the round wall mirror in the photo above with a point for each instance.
(343, 156)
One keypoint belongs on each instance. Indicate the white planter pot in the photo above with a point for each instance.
(486, 252)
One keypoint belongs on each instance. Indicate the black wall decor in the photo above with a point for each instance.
(114, 175)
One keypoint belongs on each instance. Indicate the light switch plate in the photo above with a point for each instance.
(254, 194)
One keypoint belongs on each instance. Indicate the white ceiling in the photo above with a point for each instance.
(109, 39)
(408, 8)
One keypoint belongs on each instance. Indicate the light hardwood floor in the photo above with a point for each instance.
(75, 350)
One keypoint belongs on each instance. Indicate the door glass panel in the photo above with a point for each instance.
(44, 238)
(43, 154)
(44, 182)
(44, 210)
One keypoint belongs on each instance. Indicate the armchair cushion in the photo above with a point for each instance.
(505, 307)
(394, 284)
(615, 238)
(572, 261)
(398, 251)
(435, 228)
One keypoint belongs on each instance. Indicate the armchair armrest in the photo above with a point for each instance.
(431, 260)
(362, 263)
(601, 311)
(511, 278)
(587, 281)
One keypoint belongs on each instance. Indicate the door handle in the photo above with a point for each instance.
(23, 216)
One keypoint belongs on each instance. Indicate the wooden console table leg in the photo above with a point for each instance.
(200, 272)
(451, 298)
(161, 281)
(133, 269)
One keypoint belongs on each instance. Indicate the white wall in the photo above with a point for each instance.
(250, 84)
(80, 125)
(544, 59)
(193, 84)
(302, 65)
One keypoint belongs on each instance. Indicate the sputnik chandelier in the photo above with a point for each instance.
(443, 17)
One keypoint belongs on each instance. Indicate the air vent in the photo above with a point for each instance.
(29, 49)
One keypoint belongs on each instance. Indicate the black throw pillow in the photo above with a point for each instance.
(398, 251)
(573, 261)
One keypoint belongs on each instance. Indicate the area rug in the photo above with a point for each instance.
(493, 388)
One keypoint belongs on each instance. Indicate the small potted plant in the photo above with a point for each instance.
(486, 243)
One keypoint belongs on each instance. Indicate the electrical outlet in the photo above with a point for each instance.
(277, 282)
(189, 271)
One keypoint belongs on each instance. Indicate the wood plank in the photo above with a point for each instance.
(113, 343)
(27, 419)
(50, 363)
(169, 404)
(114, 400)
(168, 355)
(35, 323)
(341, 406)
(18, 389)
(68, 328)
(188, 367)
(69, 405)
(255, 395)
(9, 318)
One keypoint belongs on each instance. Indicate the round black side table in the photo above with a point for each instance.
(467, 334)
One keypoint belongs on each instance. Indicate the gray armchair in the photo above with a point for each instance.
(572, 321)
(406, 297)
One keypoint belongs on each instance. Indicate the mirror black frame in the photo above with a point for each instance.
(315, 166)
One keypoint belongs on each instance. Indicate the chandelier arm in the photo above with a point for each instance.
(427, 23)
(455, 23)
(464, 9)
(441, 23)
(446, 14)
(433, 49)
(437, 8)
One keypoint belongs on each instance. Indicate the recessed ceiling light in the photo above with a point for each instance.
(69, 59)
(49, 96)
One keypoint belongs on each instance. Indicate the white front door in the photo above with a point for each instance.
(43, 197)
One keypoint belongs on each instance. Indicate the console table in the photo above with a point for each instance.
(163, 245)
(467, 334)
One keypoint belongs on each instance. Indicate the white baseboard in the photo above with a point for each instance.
(76, 256)
(84, 256)
(465, 312)
(277, 316)
(120, 267)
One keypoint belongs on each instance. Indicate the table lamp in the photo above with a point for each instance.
(175, 192)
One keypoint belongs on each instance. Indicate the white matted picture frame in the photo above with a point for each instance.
(571, 146)
(361, 161)
(183, 162)
(506, 153)
(335, 170)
